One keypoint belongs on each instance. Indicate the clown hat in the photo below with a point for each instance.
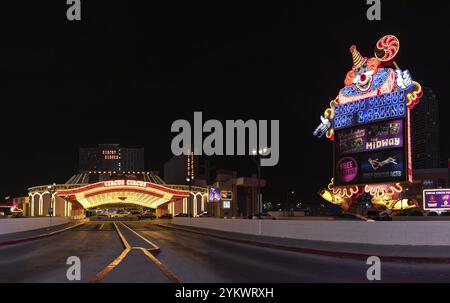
(358, 60)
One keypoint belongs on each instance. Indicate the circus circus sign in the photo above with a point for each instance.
(125, 183)
(369, 121)
(141, 193)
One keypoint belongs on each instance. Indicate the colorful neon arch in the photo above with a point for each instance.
(141, 193)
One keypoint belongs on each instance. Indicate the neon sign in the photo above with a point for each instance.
(369, 122)
(387, 106)
(436, 199)
(373, 137)
(125, 183)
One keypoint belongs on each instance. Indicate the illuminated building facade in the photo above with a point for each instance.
(369, 123)
(111, 157)
(237, 195)
(101, 184)
(105, 189)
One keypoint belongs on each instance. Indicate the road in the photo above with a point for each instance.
(158, 254)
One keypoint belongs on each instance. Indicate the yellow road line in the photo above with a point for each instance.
(105, 271)
(140, 236)
(163, 268)
(122, 238)
(64, 229)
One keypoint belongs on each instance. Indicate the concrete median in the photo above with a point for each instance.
(408, 233)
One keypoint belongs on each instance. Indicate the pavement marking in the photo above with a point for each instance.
(163, 268)
(101, 226)
(122, 237)
(148, 252)
(140, 236)
(105, 271)
(10, 242)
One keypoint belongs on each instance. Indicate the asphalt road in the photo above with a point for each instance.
(187, 257)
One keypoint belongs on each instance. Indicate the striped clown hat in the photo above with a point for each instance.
(358, 60)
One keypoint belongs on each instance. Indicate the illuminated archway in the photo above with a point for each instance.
(134, 192)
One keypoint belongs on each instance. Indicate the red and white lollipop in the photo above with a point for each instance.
(387, 49)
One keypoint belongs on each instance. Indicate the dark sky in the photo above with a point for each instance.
(128, 70)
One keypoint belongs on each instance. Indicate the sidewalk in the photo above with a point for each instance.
(422, 254)
(29, 235)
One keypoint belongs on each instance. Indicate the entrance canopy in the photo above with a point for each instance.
(124, 191)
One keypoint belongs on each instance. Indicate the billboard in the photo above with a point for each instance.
(227, 195)
(371, 168)
(436, 199)
(367, 152)
(384, 166)
(371, 137)
(370, 110)
(213, 194)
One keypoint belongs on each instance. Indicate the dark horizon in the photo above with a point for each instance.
(125, 72)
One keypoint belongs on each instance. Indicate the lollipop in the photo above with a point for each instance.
(387, 49)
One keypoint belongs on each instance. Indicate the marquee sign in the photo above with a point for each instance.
(142, 193)
(373, 137)
(436, 199)
(125, 183)
(382, 107)
(369, 123)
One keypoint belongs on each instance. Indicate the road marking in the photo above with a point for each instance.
(122, 237)
(163, 268)
(140, 236)
(38, 237)
(101, 226)
(104, 272)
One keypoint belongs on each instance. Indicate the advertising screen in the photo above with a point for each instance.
(371, 167)
(374, 137)
(227, 195)
(213, 194)
(436, 199)
(368, 152)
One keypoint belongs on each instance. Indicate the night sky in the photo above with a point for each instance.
(128, 70)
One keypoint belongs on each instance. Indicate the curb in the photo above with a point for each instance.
(22, 240)
(328, 253)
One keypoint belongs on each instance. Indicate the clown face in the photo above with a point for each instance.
(363, 77)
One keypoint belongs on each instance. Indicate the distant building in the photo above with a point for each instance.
(430, 178)
(111, 157)
(114, 177)
(175, 170)
(239, 195)
(425, 131)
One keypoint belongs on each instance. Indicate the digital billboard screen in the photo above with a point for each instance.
(227, 195)
(372, 167)
(373, 137)
(213, 194)
(436, 199)
(376, 152)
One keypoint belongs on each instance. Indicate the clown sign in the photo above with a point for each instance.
(369, 120)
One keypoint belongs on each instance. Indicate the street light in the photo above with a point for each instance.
(288, 204)
(189, 178)
(257, 155)
(51, 190)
